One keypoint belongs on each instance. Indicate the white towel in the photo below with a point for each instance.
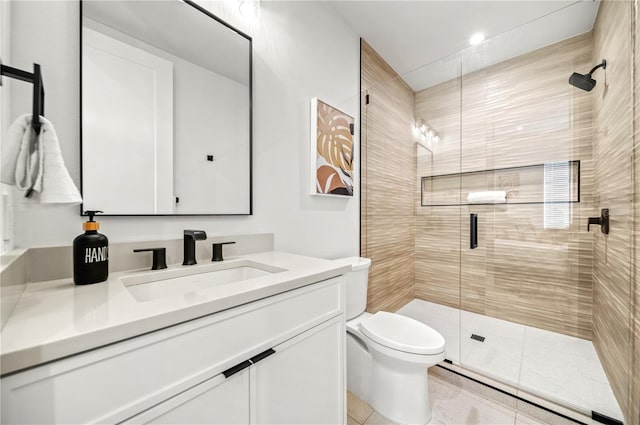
(43, 169)
(490, 197)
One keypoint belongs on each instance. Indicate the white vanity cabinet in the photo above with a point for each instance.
(219, 400)
(296, 385)
(276, 360)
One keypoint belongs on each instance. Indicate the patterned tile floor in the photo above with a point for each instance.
(454, 401)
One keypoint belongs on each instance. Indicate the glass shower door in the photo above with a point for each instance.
(438, 218)
(523, 161)
(527, 178)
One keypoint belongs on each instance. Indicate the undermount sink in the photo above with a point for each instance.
(192, 279)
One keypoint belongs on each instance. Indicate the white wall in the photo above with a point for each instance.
(6, 194)
(300, 51)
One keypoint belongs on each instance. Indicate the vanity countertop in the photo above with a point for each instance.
(55, 319)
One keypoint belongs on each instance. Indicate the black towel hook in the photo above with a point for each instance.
(34, 78)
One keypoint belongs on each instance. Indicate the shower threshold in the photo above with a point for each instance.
(552, 370)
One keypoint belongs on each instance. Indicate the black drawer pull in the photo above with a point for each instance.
(264, 354)
(237, 368)
(245, 364)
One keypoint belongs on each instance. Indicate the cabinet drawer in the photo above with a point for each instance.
(216, 401)
(113, 383)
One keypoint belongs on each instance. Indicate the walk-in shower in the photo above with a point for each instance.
(483, 234)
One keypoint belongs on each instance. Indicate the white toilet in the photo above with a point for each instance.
(388, 354)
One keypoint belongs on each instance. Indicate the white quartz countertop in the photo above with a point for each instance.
(56, 319)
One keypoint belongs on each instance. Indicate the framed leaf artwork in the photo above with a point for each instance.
(332, 150)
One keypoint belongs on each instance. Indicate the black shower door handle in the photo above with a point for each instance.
(473, 231)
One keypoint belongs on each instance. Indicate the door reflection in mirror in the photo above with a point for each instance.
(158, 104)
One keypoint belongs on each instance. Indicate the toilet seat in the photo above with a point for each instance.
(402, 333)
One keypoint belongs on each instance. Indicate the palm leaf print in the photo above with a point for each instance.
(335, 141)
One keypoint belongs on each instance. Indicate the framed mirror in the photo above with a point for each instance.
(166, 110)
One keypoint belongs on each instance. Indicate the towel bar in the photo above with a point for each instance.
(34, 78)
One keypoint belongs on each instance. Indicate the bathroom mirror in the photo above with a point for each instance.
(166, 110)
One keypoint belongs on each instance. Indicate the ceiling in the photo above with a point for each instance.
(427, 42)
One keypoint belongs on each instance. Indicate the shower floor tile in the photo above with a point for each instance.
(499, 355)
(559, 368)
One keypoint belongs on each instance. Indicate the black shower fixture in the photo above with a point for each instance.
(584, 81)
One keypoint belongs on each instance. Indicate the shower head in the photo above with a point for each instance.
(584, 81)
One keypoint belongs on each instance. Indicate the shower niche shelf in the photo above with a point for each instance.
(549, 183)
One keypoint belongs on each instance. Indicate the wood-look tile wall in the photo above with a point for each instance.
(438, 238)
(517, 113)
(387, 182)
(634, 394)
(613, 159)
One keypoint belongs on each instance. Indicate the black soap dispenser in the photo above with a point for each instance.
(90, 254)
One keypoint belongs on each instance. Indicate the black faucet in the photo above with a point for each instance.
(217, 250)
(159, 257)
(190, 238)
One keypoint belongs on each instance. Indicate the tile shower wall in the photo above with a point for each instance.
(438, 228)
(387, 179)
(517, 113)
(634, 404)
(613, 158)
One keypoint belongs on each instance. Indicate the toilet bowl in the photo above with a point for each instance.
(388, 355)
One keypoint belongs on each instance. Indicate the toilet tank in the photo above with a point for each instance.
(357, 283)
